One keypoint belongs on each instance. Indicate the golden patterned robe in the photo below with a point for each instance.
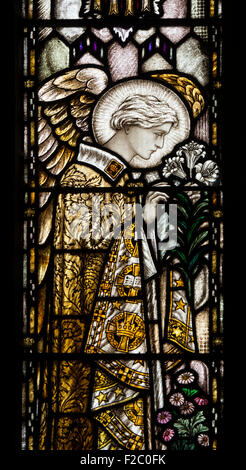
(95, 307)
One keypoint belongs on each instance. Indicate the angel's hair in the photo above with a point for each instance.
(143, 111)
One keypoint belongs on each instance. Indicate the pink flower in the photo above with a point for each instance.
(187, 408)
(163, 417)
(177, 399)
(203, 439)
(201, 401)
(168, 434)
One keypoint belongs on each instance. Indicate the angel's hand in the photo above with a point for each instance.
(152, 200)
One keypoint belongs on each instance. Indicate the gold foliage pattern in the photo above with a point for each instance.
(73, 434)
(43, 427)
(78, 177)
(68, 284)
(69, 383)
(68, 336)
(73, 227)
(74, 387)
(68, 433)
(75, 282)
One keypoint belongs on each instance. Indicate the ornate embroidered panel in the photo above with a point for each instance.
(122, 306)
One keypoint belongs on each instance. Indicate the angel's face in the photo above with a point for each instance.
(144, 142)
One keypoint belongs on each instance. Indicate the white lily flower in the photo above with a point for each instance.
(174, 167)
(193, 151)
(207, 172)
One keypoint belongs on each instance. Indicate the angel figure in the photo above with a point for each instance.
(99, 147)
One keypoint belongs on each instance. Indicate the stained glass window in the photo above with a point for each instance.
(122, 312)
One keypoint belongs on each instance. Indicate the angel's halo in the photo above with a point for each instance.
(112, 99)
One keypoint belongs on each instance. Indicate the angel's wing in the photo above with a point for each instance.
(65, 104)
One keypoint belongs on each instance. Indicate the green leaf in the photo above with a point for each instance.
(175, 413)
(198, 240)
(182, 223)
(200, 428)
(187, 280)
(183, 271)
(189, 446)
(192, 266)
(200, 206)
(185, 200)
(183, 427)
(183, 212)
(182, 444)
(193, 227)
(180, 254)
(190, 391)
(180, 240)
(198, 418)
